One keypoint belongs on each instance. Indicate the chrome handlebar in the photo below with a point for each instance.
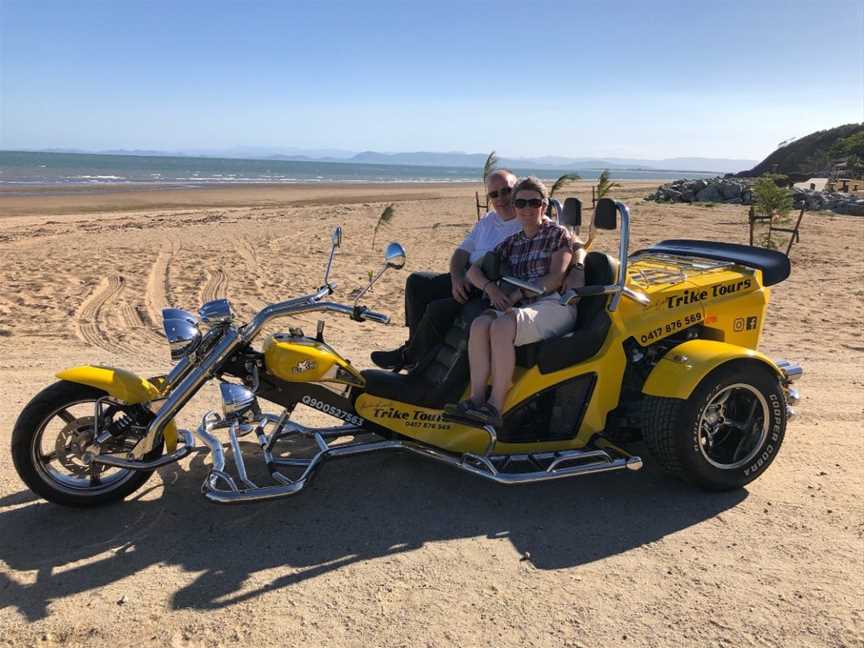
(307, 304)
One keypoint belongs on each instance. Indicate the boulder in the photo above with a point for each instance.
(852, 208)
(711, 193)
(730, 190)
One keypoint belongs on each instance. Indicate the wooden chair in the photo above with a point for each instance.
(794, 237)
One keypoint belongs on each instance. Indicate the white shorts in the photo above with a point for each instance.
(544, 318)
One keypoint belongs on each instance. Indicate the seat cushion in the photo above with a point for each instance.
(592, 324)
(406, 388)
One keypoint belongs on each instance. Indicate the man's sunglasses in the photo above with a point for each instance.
(503, 191)
(521, 203)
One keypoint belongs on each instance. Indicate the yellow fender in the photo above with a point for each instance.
(683, 367)
(124, 386)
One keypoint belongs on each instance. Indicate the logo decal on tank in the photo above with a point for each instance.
(303, 365)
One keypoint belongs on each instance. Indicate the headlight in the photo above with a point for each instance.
(216, 312)
(181, 329)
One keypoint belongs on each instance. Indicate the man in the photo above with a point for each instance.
(433, 300)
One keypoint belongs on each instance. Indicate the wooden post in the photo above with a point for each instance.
(750, 217)
(481, 208)
(795, 237)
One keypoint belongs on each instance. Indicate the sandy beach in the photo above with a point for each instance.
(390, 550)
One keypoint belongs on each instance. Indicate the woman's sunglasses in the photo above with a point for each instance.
(503, 191)
(521, 203)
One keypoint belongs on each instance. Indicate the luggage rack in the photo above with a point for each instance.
(675, 272)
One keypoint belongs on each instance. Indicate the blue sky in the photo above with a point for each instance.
(629, 79)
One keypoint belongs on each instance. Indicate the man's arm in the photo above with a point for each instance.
(458, 264)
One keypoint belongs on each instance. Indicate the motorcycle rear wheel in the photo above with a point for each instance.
(726, 433)
(46, 450)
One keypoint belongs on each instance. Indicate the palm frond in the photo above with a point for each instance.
(604, 186)
(563, 180)
(384, 219)
(590, 239)
(490, 166)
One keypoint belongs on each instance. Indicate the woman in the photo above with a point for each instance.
(540, 254)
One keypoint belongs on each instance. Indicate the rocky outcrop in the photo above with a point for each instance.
(840, 203)
(725, 190)
(733, 191)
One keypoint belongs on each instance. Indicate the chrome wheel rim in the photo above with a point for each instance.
(57, 453)
(733, 426)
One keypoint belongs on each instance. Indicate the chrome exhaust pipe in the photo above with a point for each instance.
(792, 371)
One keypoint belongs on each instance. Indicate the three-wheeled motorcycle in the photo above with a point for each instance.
(665, 348)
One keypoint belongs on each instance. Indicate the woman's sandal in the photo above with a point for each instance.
(459, 410)
(487, 414)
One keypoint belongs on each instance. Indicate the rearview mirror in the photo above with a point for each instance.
(336, 241)
(394, 256)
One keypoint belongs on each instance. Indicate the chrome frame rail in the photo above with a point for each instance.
(222, 488)
(187, 446)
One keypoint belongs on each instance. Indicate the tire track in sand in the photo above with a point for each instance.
(215, 287)
(90, 319)
(156, 295)
(248, 253)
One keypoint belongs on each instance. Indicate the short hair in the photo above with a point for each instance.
(531, 183)
(502, 173)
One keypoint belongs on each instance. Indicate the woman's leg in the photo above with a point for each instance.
(478, 357)
(502, 333)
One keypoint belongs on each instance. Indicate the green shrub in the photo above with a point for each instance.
(771, 200)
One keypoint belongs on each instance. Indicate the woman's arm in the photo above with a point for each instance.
(558, 268)
(481, 281)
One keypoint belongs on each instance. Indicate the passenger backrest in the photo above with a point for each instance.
(600, 270)
(571, 215)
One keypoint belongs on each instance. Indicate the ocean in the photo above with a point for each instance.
(25, 168)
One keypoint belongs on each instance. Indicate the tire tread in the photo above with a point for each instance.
(660, 417)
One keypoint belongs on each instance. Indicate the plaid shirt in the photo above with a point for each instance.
(531, 258)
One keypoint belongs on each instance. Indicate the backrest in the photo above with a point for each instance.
(571, 215)
(600, 270)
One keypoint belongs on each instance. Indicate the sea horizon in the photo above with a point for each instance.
(29, 168)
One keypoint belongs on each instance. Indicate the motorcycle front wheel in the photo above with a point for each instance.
(50, 438)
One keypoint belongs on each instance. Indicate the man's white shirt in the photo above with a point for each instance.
(487, 234)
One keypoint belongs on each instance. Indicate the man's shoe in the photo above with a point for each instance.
(391, 359)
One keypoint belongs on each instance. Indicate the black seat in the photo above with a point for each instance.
(592, 324)
(442, 376)
(438, 379)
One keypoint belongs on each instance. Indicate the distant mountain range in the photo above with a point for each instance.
(447, 159)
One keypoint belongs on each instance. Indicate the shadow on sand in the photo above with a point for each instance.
(358, 509)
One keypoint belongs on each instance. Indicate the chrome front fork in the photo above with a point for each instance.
(186, 389)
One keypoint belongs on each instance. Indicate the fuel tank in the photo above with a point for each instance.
(305, 359)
